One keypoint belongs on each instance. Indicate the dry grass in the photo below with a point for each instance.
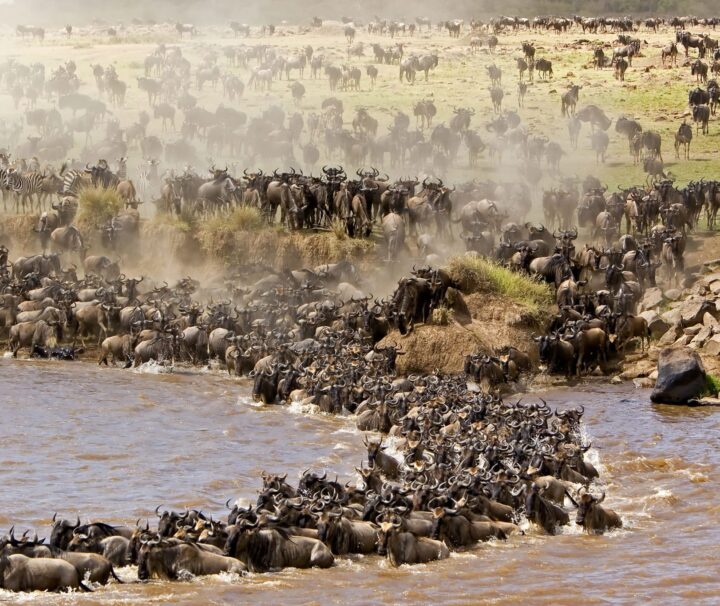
(16, 232)
(185, 222)
(96, 206)
(494, 327)
(337, 227)
(244, 237)
(478, 274)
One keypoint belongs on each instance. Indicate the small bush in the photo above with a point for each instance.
(246, 218)
(97, 205)
(712, 386)
(338, 228)
(185, 222)
(478, 274)
(442, 316)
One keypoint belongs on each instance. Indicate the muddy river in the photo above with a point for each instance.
(113, 444)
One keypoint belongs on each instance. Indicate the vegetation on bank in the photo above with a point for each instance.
(96, 206)
(477, 274)
(712, 386)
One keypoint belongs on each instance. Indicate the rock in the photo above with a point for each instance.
(705, 402)
(681, 376)
(701, 336)
(653, 375)
(715, 287)
(672, 317)
(670, 336)
(657, 326)
(693, 310)
(683, 341)
(712, 346)
(710, 278)
(673, 294)
(616, 381)
(692, 330)
(652, 298)
(643, 383)
(711, 321)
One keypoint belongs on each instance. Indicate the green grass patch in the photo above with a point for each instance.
(477, 274)
(97, 205)
(712, 386)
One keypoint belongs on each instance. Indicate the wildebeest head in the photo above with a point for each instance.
(62, 532)
(586, 503)
(327, 523)
(389, 527)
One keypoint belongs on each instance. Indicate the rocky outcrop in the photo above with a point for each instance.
(681, 377)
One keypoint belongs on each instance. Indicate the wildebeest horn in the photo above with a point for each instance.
(157, 511)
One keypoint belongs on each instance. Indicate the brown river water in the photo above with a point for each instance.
(113, 444)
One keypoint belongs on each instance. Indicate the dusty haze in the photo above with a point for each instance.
(59, 12)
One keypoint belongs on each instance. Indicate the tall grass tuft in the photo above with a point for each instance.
(97, 205)
(338, 228)
(478, 274)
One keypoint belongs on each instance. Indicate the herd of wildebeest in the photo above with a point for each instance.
(70, 107)
(465, 465)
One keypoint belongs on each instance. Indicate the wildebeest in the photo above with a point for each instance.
(701, 117)
(402, 547)
(542, 512)
(169, 559)
(569, 100)
(544, 68)
(265, 549)
(599, 142)
(345, 536)
(594, 518)
(621, 66)
(21, 573)
(670, 51)
(683, 138)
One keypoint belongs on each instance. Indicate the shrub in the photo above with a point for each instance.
(97, 205)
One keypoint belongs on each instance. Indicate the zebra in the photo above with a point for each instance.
(73, 181)
(24, 186)
(148, 176)
(3, 185)
(122, 169)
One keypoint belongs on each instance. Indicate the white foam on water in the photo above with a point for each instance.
(153, 368)
(229, 577)
(390, 447)
(350, 429)
(298, 408)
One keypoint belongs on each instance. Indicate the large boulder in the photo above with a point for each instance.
(657, 326)
(670, 336)
(693, 310)
(652, 298)
(681, 376)
(671, 317)
(712, 346)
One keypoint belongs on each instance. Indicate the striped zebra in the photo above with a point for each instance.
(3, 185)
(122, 169)
(73, 181)
(24, 186)
(148, 177)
